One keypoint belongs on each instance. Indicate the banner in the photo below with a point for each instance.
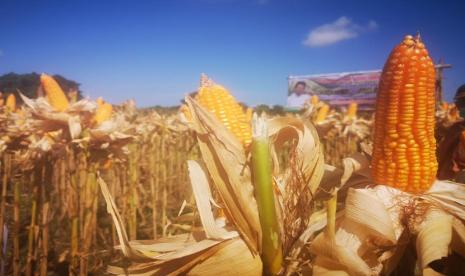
(334, 89)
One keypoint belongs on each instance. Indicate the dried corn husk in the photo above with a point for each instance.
(373, 239)
(180, 253)
(224, 157)
(299, 182)
(48, 118)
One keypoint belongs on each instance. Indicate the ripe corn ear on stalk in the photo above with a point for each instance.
(404, 146)
(249, 114)
(11, 103)
(322, 113)
(224, 106)
(99, 101)
(55, 95)
(352, 110)
(314, 100)
(103, 113)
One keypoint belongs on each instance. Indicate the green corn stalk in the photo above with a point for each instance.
(271, 254)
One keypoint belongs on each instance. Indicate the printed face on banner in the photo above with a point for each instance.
(334, 89)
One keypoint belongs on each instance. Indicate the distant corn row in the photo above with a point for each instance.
(342, 132)
(52, 215)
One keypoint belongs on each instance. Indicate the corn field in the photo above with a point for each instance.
(87, 187)
(53, 216)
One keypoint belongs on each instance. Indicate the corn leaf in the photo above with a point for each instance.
(225, 160)
(298, 183)
(434, 237)
(203, 199)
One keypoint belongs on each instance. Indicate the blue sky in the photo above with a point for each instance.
(154, 51)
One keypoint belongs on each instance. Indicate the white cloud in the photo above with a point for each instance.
(341, 29)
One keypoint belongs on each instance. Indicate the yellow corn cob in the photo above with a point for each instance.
(11, 103)
(352, 110)
(322, 113)
(55, 95)
(22, 116)
(249, 114)
(103, 113)
(218, 101)
(404, 147)
(99, 101)
(314, 100)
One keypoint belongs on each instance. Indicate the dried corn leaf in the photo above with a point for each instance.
(321, 264)
(36, 105)
(434, 237)
(317, 223)
(84, 105)
(378, 234)
(301, 178)
(431, 272)
(356, 163)
(53, 120)
(449, 195)
(173, 244)
(458, 237)
(330, 180)
(307, 151)
(41, 105)
(343, 249)
(74, 126)
(225, 160)
(211, 261)
(172, 266)
(112, 130)
(366, 237)
(355, 174)
(376, 220)
(203, 198)
(120, 229)
(233, 259)
(189, 250)
(174, 255)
